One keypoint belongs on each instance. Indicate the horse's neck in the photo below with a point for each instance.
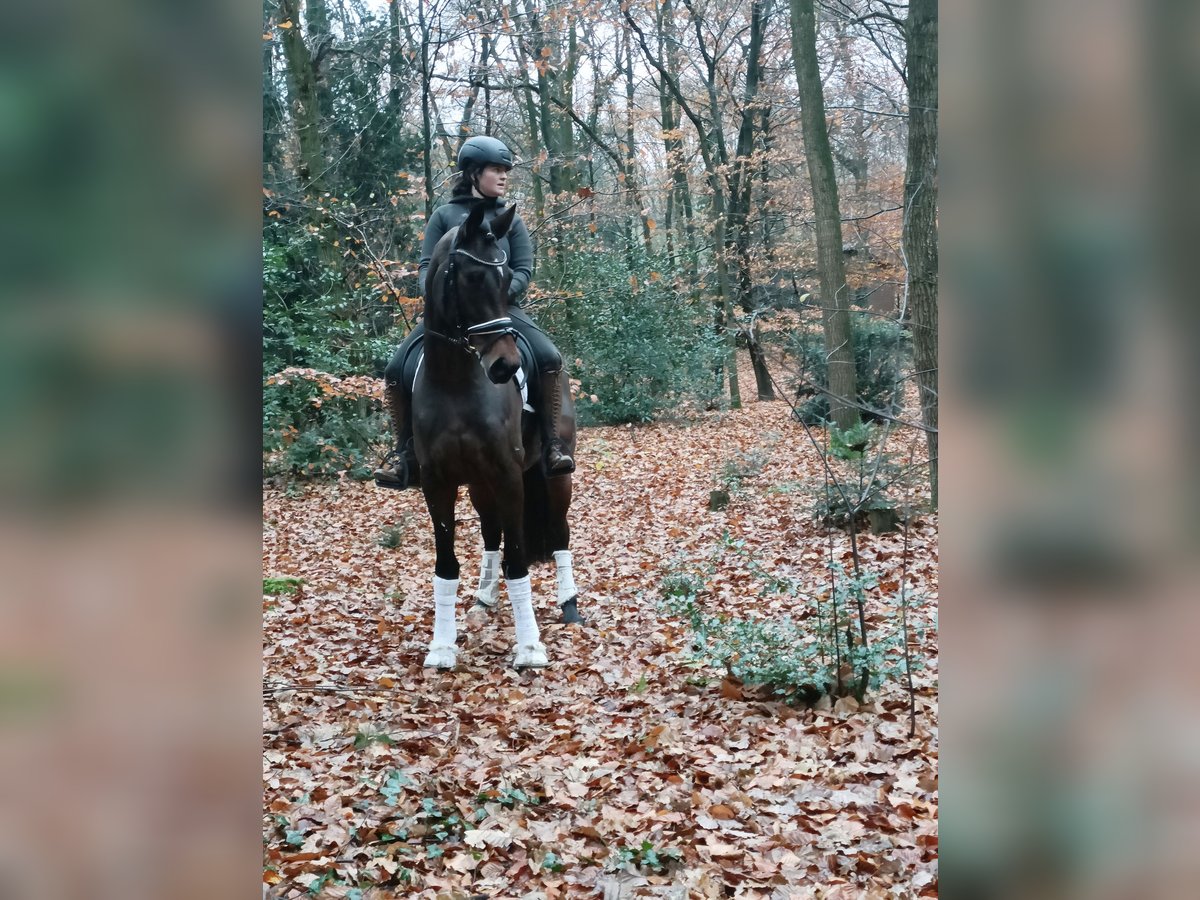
(444, 362)
(448, 365)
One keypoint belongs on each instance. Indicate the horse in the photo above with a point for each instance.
(469, 429)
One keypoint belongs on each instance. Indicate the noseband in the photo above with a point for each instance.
(497, 327)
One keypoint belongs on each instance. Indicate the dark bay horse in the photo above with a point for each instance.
(468, 430)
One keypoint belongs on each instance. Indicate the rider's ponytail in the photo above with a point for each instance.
(462, 182)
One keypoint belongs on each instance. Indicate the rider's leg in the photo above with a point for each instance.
(549, 362)
(399, 469)
(558, 459)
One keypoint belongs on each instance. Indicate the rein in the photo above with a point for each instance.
(498, 327)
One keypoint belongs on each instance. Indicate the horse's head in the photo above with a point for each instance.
(469, 307)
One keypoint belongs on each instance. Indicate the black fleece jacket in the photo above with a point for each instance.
(516, 243)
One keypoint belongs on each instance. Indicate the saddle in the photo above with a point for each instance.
(529, 397)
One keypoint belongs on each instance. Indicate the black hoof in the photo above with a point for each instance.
(570, 612)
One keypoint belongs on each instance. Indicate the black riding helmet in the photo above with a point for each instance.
(480, 151)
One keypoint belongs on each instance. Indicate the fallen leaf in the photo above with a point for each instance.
(730, 785)
(731, 690)
(482, 837)
(720, 848)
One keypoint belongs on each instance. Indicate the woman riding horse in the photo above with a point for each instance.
(482, 177)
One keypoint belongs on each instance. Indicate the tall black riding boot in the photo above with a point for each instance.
(558, 459)
(399, 469)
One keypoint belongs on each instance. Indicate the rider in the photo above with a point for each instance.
(482, 177)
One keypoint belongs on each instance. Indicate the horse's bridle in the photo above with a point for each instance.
(498, 327)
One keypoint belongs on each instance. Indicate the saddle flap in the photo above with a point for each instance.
(412, 363)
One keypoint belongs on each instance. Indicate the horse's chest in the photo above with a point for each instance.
(461, 439)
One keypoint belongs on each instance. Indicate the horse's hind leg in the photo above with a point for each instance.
(442, 650)
(528, 651)
(490, 524)
(559, 534)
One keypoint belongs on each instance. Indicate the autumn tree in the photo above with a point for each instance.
(835, 300)
(753, 119)
(303, 102)
(920, 216)
(666, 161)
(713, 150)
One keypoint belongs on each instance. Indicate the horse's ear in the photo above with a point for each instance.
(474, 220)
(503, 222)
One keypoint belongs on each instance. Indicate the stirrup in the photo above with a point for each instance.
(400, 475)
(563, 456)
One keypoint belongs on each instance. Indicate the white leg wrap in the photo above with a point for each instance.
(566, 579)
(442, 652)
(488, 592)
(529, 650)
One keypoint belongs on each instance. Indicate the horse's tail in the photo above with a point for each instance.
(538, 542)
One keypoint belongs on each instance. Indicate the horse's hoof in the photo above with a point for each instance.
(442, 656)
(531, 656)
(570, 612)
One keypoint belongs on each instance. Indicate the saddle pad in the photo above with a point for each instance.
(412, 364)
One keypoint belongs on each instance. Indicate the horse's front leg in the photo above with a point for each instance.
(440, 500)
(528, 650)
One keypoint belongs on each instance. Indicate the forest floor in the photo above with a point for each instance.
(629, 768)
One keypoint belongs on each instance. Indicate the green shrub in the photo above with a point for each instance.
(643, 348)
(312, 318)
(867, 473)
(850, 443)
(287, 584)
(392, 536)
(873, 506)
(780, 655)
(881, 353)
(309, 432)
(645, 857)
(796, 658)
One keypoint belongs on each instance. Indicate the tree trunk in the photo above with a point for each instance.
(740, 194)
(679, 192)
(764, 173)
(273, 117)
(478, 74)
(565, 91)
(920, 219)
(426, 116)
(532, 124)
(855, 153)
(397, 74)
(712, 149)
(835, 300)
(302, 98)
(555, 79)
(716, 158)
(312, 166)
(320, 39)
(630, 150)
